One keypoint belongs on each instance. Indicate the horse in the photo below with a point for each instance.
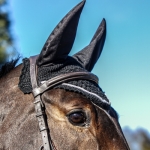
(51, 101)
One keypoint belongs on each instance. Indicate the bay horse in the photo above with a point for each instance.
(52, 101)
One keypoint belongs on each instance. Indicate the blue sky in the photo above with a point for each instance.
(124, 66)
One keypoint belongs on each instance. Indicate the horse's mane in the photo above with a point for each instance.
(8, 66)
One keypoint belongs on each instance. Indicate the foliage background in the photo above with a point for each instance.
(138, 139)
(7, 48)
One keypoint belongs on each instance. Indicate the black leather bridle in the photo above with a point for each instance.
(38, 90)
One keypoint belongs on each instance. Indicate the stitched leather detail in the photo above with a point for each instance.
(63, 78)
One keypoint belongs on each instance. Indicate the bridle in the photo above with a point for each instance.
(38, 90)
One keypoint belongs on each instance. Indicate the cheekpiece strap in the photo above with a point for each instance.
(39, 108)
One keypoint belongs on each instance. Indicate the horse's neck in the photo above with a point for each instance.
(18, 124)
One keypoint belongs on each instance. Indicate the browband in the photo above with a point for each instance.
(63, 78)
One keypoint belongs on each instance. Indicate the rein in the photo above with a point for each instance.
(38, 90)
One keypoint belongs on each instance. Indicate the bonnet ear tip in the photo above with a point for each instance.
(104, 21)
(103, 24)
(83, 2)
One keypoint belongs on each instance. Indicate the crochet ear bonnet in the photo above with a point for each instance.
(54, 60)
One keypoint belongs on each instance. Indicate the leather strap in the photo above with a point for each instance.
(39, 108)
(62, 78)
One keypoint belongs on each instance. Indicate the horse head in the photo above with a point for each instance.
(76, 113)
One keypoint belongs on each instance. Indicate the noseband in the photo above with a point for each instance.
(38, 90)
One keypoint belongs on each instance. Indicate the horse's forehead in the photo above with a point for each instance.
(62, 97)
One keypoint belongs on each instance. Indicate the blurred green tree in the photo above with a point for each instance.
(6, 39)
(138, 139)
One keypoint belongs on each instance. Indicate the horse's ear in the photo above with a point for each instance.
(88, 56)
(60, 41)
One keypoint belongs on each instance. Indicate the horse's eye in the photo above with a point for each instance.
(77, 117)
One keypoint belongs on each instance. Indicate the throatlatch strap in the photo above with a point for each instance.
(39, 108)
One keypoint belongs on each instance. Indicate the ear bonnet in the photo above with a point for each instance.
(54, 60)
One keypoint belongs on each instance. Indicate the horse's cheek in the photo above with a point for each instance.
(71, 137)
